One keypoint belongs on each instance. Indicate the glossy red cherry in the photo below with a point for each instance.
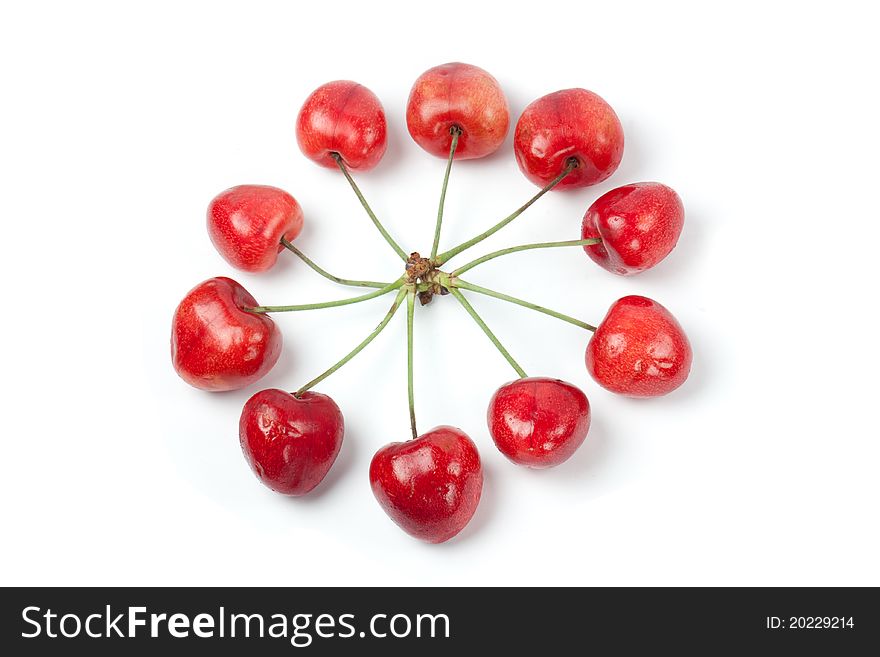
(537, 421)
(246, 224)
(569, 123)
(342, 117)
(462, 96)
(216, 344)
(639, 349)
(429, 486)
(289, 442)
(639, 225)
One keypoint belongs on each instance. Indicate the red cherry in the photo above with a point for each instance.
(346, 118)
(215, 344)
(246, 224)
(430, 486)
(569, 123)
(639, 225)
(538, 422)
(289, 442)
(457, 95)
(639, 349)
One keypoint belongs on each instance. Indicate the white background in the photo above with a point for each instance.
(120, 123)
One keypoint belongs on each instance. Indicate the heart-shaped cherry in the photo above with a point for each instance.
(430, 486)
(639, 225)
(572, 123)
(537, 421)
(462, 96)
(290, 442)
(216, 344)
(246, 224)
(342, 117)
(639, 349)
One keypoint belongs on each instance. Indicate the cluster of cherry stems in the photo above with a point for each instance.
(431, 485)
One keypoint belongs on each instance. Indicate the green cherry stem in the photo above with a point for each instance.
(394, 245)
(523, 247)
(446, 255)
(354, 352)
(410, 311)
(456, 133)
(464, 285)
(342, 281)
(479, 320)
(329, 304)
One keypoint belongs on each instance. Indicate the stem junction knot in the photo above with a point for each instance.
(423, 274)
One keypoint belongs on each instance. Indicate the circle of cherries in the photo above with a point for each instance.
(430, 486)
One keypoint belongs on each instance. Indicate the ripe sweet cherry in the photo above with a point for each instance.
(639, 349)
(639, 225)
(572, 123)
(290, 442)
(246, 224)
(343, 118)
(459, 97)
(431, 485)
(537, 421)
(216, 344)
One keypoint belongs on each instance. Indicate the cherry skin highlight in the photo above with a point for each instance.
(342, 117)
(462, 96)
(430, 486)
(639, 225)
(289, 442)
(215, 344)
(572, 123)
(246, 224)
(538, 422)
(639, 349)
